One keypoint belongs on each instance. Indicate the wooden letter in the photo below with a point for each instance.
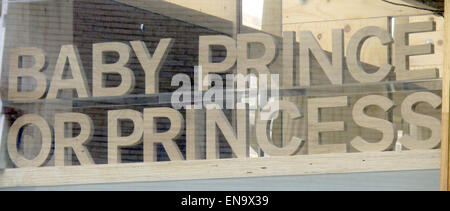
(262, 134)
(152, 137)
(78, 82)
(354, 52)
(288, 59)
(403, 50)
(386, 127)
(333, 69)
(115, 139)
(152, 65)
(205, 55)
(46, 146)
(244, 63)
(76, 143)
(238, 141)
(16, 72)
(100, 68)
(417, 119)
(315, 126)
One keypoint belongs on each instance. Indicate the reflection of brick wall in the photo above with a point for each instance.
(105, 21)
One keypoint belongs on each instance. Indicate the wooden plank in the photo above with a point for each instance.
(224, 9)
(373, 53)
(445, 184)
(295, 11)
(53, 15)
(225, 168)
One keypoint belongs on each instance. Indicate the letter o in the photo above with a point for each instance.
(46, 134)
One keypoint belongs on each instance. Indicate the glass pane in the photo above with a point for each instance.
(107, 82)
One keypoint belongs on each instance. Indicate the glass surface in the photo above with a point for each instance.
(49, 25)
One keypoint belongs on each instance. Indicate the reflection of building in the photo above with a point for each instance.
(122, 23)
